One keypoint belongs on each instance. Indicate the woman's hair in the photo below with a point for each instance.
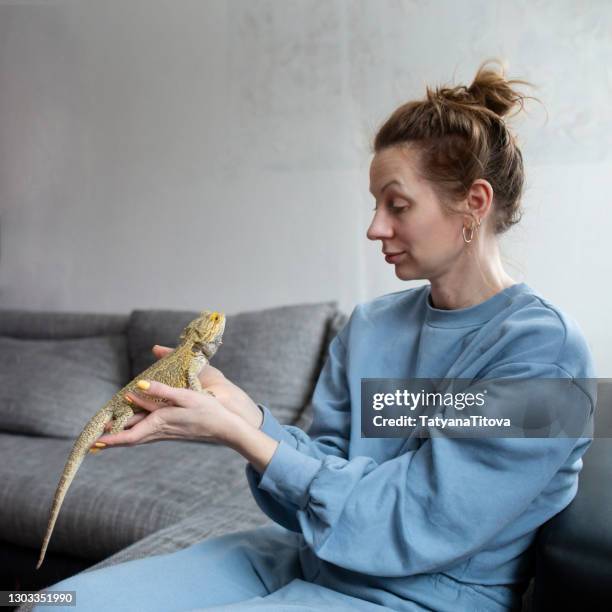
(460, 135)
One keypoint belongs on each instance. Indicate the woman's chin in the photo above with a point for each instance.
(406, 277)
(404, 272)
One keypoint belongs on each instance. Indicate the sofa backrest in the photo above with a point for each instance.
(335, 324)
(58, 368)
(48, 325)
(81, 359)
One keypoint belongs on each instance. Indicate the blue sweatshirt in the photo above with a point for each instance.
(393, 509)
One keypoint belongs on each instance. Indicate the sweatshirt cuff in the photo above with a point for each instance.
(289, 473)
(273, 428)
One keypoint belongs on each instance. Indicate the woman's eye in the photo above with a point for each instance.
(392, 207)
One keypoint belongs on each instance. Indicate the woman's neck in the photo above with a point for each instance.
(471, 285)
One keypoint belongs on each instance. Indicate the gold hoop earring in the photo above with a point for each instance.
(471, 233)
(475, 226)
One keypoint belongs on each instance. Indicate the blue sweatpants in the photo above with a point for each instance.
(258, 569)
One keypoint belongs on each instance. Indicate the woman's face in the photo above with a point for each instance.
(409, 220)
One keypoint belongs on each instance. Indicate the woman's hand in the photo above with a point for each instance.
(186, 414)
(230, 395)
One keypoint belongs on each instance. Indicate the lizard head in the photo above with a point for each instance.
(205, 332)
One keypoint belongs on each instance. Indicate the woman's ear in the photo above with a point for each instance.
(480, 198)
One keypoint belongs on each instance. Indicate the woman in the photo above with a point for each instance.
(436, 523)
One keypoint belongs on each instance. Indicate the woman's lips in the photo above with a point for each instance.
(394, 258)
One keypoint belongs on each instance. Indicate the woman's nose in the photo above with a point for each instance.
(379, 229)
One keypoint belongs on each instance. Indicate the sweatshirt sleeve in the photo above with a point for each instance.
(328, 434)
(426, 509)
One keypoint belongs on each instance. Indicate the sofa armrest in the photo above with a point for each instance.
(574, 548)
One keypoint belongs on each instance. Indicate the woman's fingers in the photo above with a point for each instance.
(148, 403)
(175, 395)
(186, 414)
(145, 430)
(161, 351)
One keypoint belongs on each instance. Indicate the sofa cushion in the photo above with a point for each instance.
(274, 355)
(53, 387)
(119, 495)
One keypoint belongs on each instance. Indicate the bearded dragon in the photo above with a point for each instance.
(199, 341)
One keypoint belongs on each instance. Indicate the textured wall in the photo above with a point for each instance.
(209, 153)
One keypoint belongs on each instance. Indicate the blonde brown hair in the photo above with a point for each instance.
(461, 135)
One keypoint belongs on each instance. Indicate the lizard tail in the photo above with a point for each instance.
(91, 432)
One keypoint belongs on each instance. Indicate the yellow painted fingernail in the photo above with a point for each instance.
(143, 384)
(128, 399)
(100, 444)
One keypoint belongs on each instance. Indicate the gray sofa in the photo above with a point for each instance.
(56, 369)
(126, 503)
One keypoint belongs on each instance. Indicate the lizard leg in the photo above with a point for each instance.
(120, 418)
(194, 381)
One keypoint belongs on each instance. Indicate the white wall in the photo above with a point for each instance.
(189, 153)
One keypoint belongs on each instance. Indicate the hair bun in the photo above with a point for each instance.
(492, 90)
